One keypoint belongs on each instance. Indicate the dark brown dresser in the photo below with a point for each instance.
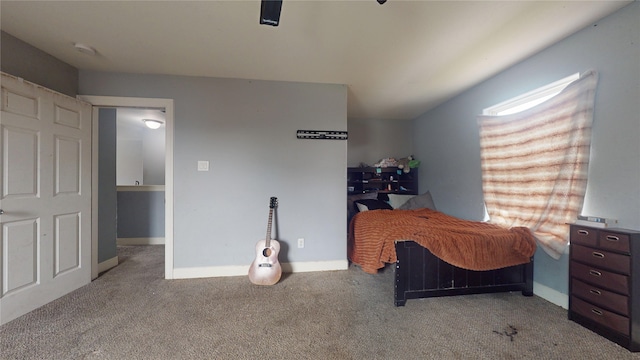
(604, 282)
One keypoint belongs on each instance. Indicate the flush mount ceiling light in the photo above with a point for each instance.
(86, 49)
(152, 123)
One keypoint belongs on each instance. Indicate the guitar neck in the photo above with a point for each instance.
(267, 242)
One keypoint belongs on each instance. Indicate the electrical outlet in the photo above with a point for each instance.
(203, 165)
(300, 243)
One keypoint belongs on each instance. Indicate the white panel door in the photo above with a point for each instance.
(45, 184)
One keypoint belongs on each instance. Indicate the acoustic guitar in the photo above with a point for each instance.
(265, 269)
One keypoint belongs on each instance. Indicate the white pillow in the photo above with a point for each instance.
(420, 201)
(397, 200)
(362, 207)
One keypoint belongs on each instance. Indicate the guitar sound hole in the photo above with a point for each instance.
(266, 252)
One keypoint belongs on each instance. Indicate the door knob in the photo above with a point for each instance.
(1, 211)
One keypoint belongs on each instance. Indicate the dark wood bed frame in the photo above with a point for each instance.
(420, 274)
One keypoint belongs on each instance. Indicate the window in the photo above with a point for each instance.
(530, 99)
(534, 162)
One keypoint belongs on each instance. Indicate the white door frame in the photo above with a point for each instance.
(115, 101)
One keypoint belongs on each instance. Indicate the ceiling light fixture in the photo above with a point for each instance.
(86, 49)
(152, 123)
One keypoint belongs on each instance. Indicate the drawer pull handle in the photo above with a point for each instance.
(595, 292)
(595, 273)
(597, 312)
(598, 254)
(613, 238)
(583, 232)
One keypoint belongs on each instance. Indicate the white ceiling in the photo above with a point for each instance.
(398, 59)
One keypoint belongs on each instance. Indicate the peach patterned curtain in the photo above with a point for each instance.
(535, 162)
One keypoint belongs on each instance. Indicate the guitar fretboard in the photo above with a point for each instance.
(267, 242)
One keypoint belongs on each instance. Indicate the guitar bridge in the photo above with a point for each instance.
(264, 265)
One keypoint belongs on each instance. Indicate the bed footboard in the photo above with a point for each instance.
(420, 274)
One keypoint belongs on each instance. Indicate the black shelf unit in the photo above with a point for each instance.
(389, 180)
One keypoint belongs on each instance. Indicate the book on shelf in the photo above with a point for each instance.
(590, 223)
(595, 221)
(598, 219)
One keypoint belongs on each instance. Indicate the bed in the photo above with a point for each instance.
(435, 254)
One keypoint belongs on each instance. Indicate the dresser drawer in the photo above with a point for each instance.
(601, 259)
(584, 236)
(601, 316)
(614, 241)
(600, 297)
(601, 278)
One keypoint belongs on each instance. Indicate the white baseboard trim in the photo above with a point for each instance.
(107, 264)
(551, 295)
(243, 270)
(140, 241)
(310, 266)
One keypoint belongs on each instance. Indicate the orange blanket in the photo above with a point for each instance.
(466, 244)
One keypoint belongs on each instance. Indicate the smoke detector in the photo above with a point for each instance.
(86, 49)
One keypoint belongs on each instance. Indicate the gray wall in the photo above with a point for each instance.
(107, 211)
(446, 139)
(141, 214)
(129, 165)
(247, 130)
(23, 60)
(153, 154)
(372, 140)
(141, 153)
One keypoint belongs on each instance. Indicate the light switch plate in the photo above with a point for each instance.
(203, 165)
